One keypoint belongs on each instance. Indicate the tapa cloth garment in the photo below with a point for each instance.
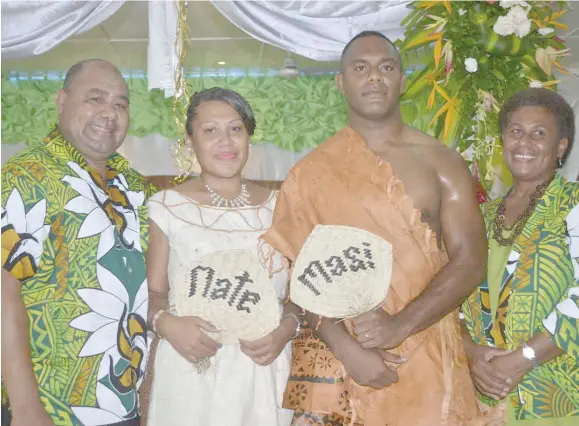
(343, 183)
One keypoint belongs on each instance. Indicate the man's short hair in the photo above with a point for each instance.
(365, 34)
(75, 70)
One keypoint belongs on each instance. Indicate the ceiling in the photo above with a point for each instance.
(123, 39)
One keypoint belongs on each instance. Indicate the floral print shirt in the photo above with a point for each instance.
(539, 293)
(77, 243)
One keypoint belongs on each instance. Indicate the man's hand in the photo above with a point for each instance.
(377, 329)
(489, 378)
(368, 366)
(34, 415)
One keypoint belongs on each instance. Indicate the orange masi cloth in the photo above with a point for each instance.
(343, 183)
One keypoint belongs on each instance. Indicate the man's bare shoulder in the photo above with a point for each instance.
(444, 160)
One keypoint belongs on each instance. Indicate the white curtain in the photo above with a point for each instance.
(32, 28)
(315, 29)
(569, 89)
(162, 59)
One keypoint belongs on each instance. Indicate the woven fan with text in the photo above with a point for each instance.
(341, 272)
(231, 290)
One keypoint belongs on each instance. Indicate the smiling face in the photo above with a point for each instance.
(93, 112)
(532, 144)
(220, 139)
(371, 78)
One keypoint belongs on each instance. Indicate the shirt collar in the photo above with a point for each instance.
(64, 151)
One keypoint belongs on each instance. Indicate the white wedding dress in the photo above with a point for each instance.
(235, 391)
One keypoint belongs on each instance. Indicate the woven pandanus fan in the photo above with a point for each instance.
(231, 290)
(341, 272)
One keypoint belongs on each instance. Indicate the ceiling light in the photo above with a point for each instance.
(220, 63)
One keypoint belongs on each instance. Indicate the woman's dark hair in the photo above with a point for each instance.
(544, 98)
(234, 99)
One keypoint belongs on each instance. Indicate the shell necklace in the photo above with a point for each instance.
(242, 200)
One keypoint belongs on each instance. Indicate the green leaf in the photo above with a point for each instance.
(411, 18)
(295, 114)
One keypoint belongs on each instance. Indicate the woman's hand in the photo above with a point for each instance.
(265, 350)
(186, 336)
(514, 365)
(489, 379)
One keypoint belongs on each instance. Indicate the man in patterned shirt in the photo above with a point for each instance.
(74, 289)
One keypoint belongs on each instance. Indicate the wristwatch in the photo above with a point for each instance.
(529, 353)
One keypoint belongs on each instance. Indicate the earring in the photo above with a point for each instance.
(559, 163)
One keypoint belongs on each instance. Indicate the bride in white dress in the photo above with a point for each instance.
(216, 211)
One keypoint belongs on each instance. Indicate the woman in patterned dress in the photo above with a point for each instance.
(523, 337)
(216, 211)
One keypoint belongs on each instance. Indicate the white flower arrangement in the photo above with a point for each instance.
(471, 65)
(506, 4)
(515, 21)
(545, 31)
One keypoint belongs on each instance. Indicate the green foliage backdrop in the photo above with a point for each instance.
(293, 114)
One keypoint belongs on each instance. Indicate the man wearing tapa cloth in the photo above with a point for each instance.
(382, 176)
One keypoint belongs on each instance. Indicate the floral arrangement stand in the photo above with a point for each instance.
(476, 55)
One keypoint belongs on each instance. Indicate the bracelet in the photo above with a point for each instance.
(154, 321)
(299, 324)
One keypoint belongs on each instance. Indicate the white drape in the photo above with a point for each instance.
(569, 89)
(31, 28)
(162, 59)
(315, 29)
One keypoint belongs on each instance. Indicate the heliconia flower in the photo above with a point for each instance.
(547, 57)
(437, 25)
(488, 101)
(448, 55)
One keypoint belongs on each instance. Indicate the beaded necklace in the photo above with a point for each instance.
(517, 227)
